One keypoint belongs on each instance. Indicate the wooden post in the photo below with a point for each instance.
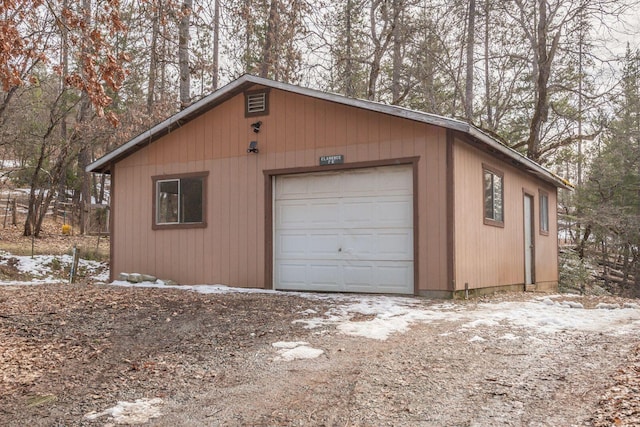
(74, 265)
(6, 211)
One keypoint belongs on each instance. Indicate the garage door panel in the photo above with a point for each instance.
(359, 275)
(296, 245)
(291, 273)
(394, 274)
(396, 181)
(292, 213)
(357, 213)
(376, 245)
(327, 274)
(358, 182)
(392, 212)
(312, 276)
(395, 246)
(388, 277)
(305, 214)
(306, 186)
(359, 245)
(323, 186)
(292, 244)
(349, 231)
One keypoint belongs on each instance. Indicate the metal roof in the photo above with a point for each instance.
(484, 141)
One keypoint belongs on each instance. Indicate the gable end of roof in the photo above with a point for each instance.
(103, 164)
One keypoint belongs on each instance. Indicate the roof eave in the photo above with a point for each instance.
(533, 167)
(103, 164)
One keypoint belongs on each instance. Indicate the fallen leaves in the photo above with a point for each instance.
(621, 403)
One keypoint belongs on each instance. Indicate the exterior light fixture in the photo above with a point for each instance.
(256, 126)
(253, 147)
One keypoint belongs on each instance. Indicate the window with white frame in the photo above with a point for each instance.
(493, 196)
(179, 201)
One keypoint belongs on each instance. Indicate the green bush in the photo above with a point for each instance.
(574, 272)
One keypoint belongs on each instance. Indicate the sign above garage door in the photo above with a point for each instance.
(345, 231)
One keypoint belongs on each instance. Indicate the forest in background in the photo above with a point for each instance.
(541, 76)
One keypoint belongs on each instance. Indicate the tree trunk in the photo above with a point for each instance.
(183, 54)
(468, 96)
(215, 72)
(397, 52)
(543, 60)
(153, 56)
(381, 43)
(270, 40)
(487, 76)
(64, 132)
(350, 89)
(32, 208)
(84, 157)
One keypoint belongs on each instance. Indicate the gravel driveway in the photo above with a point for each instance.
(107, 355)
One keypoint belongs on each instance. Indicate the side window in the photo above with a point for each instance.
(493, 196)
(179, 201)
(167, 201)
(544, 213)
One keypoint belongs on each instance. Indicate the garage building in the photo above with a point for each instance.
(270, 185)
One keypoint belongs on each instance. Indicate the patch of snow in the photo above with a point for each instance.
(605, 306)
(296, 350)
(476, 338)
(572, 304)
(509, 337)
(9, 164)
(202, 289)
(392, 314)
(631, 305)
(480, 322)
(289, 344)
(378, 329)
(39, 267)
(101, 277)
(138, 412)
(557, 296)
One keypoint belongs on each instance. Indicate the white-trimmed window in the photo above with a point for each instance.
(179, 201)
(493, 196)
(544, 212)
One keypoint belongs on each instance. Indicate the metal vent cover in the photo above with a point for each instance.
(256, 103)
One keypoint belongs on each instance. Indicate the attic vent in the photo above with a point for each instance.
(256, 103)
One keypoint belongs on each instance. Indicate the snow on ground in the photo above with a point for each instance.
(388, 315)
(138, 412)
(202, 289)
(42, 267)
(295, 350)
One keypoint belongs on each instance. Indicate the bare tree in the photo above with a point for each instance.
(183, 53)
(471, 28)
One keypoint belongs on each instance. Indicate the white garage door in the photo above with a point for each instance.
(345, 231)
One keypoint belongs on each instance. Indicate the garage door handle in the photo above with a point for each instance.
(339, 249)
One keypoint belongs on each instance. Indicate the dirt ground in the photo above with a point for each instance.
(208, 360)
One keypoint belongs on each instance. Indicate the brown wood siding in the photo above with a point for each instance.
(297, 131)
(487, 255)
